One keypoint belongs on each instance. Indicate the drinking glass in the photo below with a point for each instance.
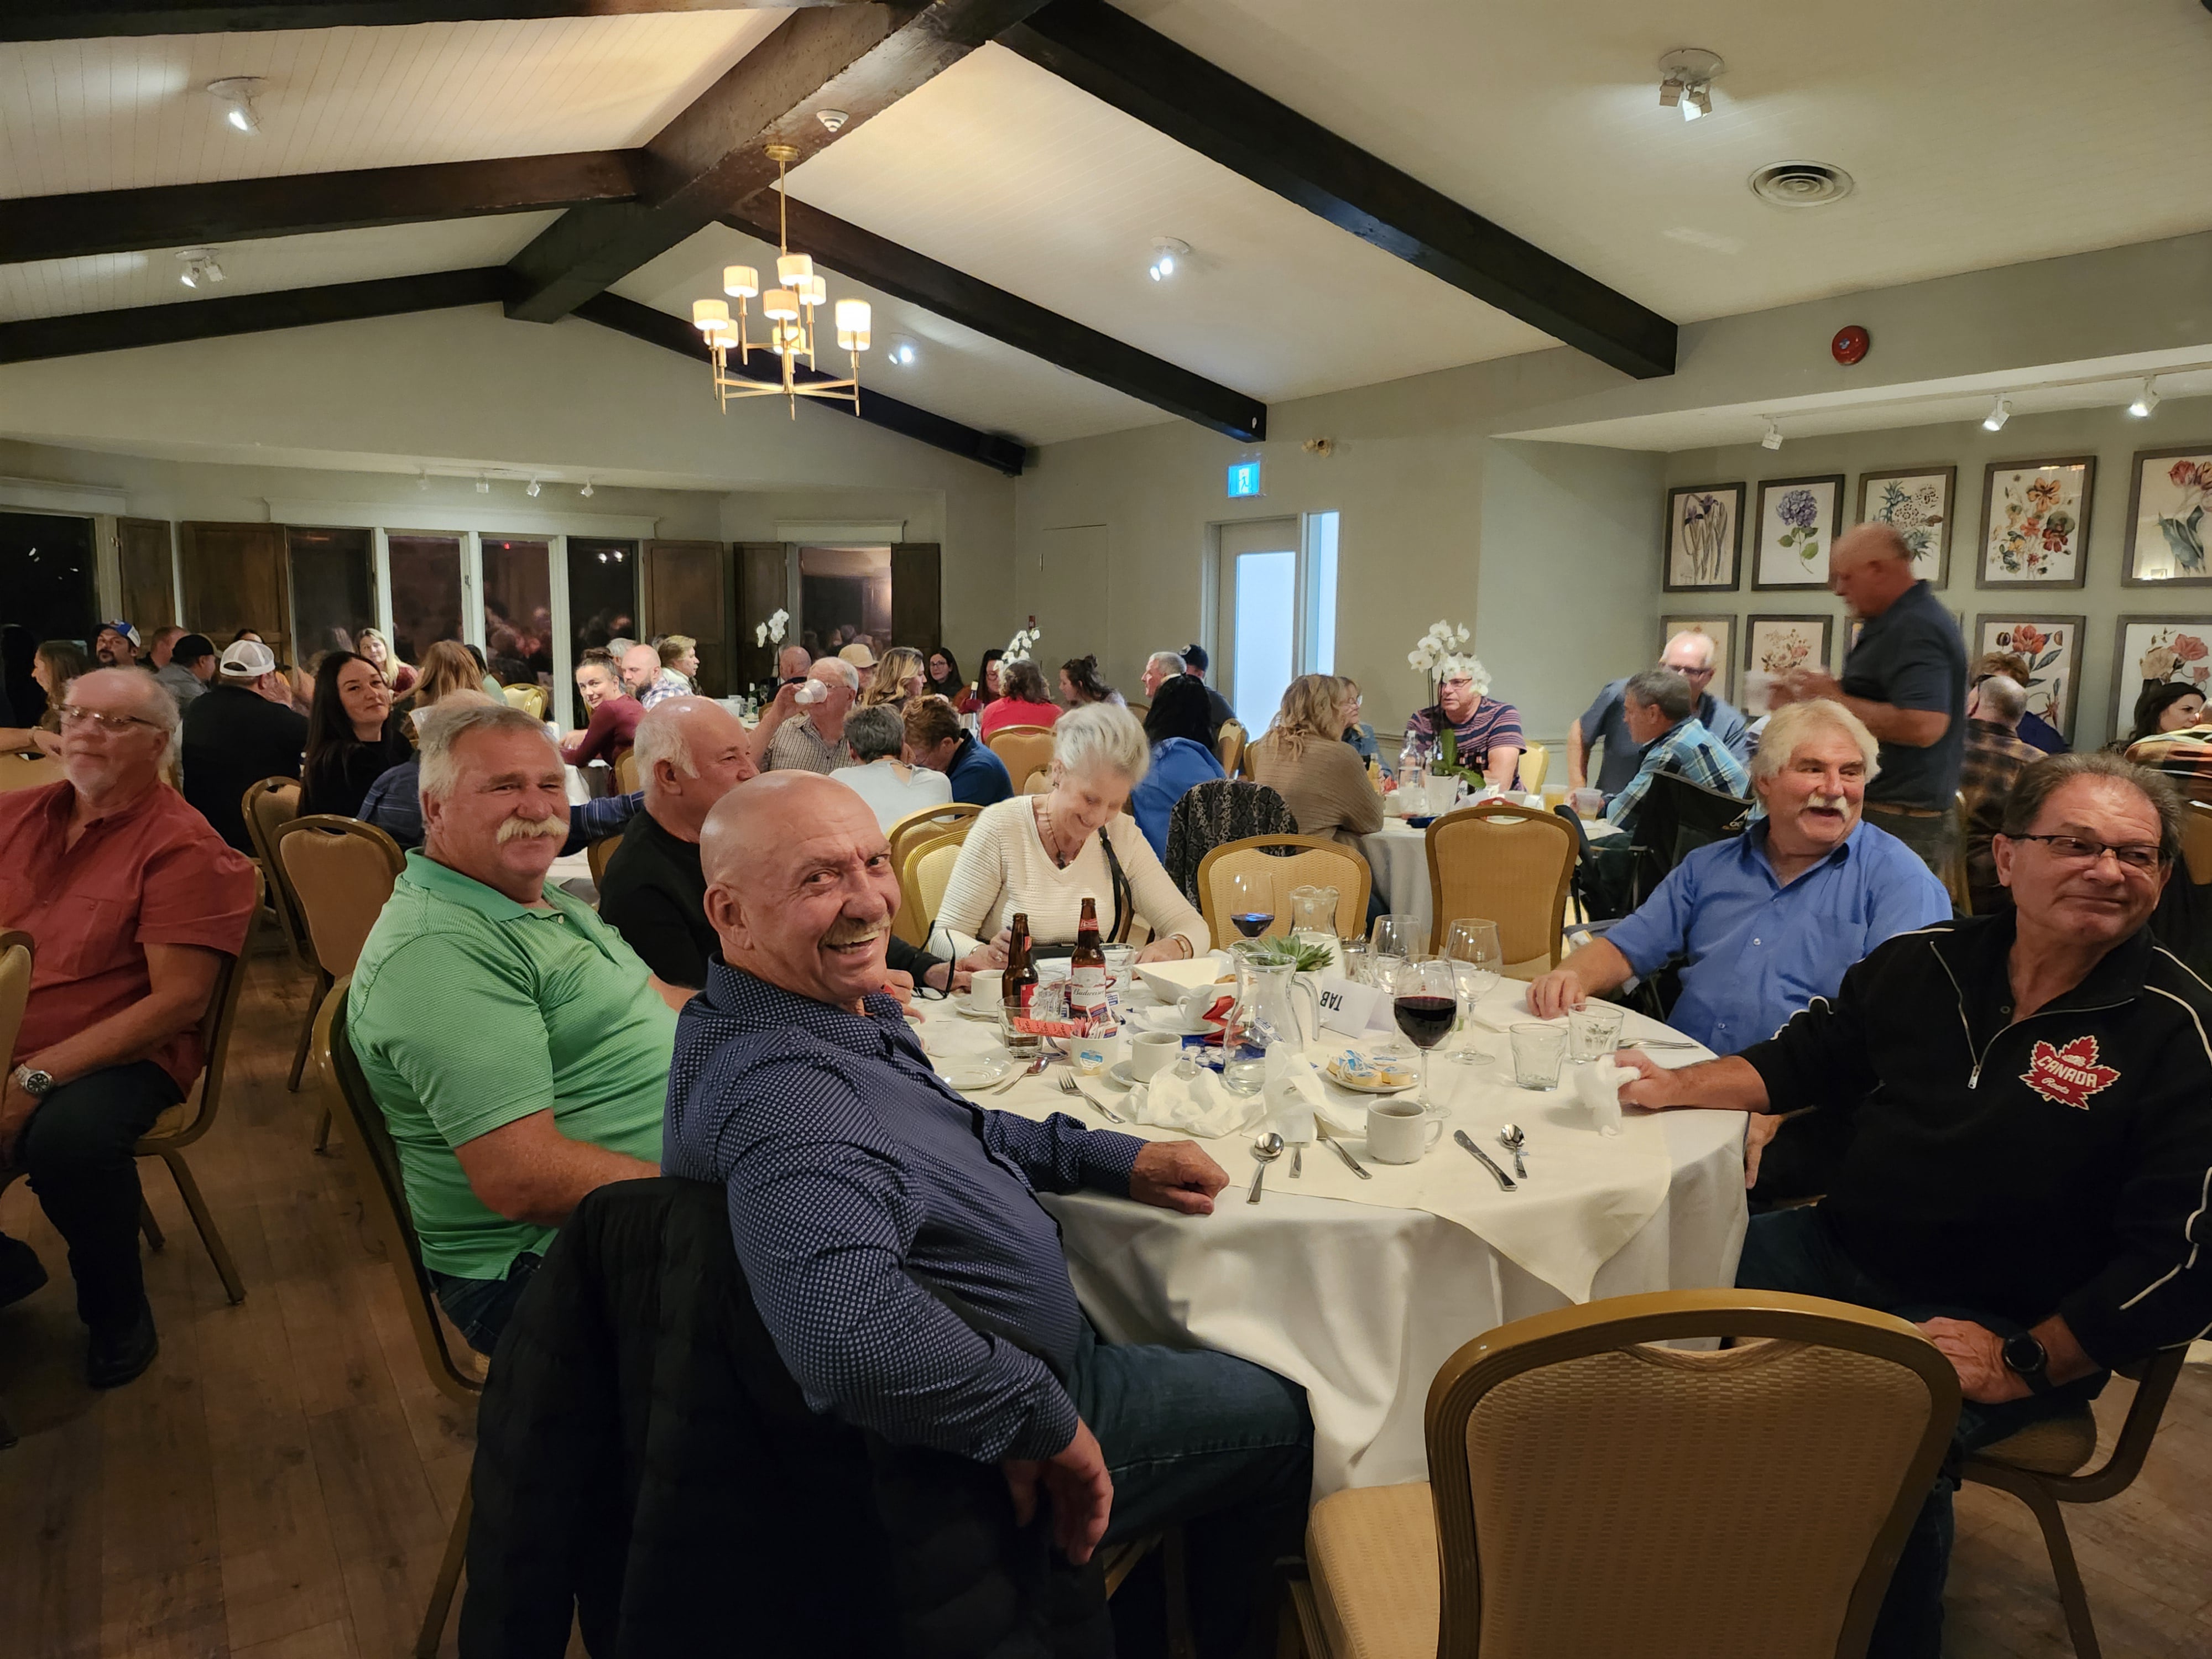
(1479, 963)
(1251, 904)
(1537, 1052)
(1593, 1030)
(1426, 1003)
(1395, 941)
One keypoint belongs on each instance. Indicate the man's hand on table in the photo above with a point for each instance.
(1081, 1492)
(1653, 1086)
(1176, 1175)
(1557, 992)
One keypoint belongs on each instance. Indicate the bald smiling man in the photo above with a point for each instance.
(895, 1244)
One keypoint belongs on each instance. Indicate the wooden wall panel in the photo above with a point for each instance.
(149, 594)
(763, 586)
(918, 595)
(682, 591)
(234, 577)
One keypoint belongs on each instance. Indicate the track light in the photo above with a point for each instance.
(1685, 81)
(533, 491)
(1771, 438)
(1166, 251)
(423, 482)
(1999, 412)
(235, 93)
(200, 268)
(585, 492)
(2146, 400)
(484, 485)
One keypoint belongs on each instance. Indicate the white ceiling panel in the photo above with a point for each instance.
(963, 376)
(114, 114)
(1007, 172)
(116, 281)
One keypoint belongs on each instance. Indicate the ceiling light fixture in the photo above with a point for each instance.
(585, 492)
(1771, 438)
(200, 267)
(831, 119)
(484, 485)
(903, 352)
(2146, 400)
(1686, 81)
(789, 309)
(1166, 251)
(1999, 412)
(422, 480)
(236, 93)
(533, 491)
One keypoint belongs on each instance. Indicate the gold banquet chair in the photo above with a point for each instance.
(922, 881)
(600, 854)
(626, 774)
(268, 807)
(1590, 1494)
(1229, 745)
(23, 769)
(531, 699)
(340, 872)
(1512, 864)
(17, 953)
(1306, 861)
(927, 825)
(1536, 767)
(384, 1195)
(1026, 750)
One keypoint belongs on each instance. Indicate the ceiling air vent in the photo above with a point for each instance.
(1801, 184)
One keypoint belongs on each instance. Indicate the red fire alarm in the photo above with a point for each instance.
(1851, 344)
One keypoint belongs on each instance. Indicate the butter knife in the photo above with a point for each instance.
(1330, 1140)
(1504, 1180)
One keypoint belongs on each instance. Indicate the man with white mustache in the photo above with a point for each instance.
(517, 1047)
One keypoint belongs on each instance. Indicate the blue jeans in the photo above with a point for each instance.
(480, 1308)
(1220, 1446)
(1796, 1251)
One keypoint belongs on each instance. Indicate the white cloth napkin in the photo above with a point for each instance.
(1196, 1105)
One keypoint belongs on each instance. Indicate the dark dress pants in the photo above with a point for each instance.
(78, 1154)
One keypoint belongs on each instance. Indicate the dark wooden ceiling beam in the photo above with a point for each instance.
(84, 20)
(865, 257)
(1139, 71)
(642, 322)
(234, 209)
(857, 60)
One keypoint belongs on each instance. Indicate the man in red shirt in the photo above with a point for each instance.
(133, 901)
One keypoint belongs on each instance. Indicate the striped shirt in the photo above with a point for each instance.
(796, 746)
(2184, 756)
(1690, 752)
(1492, 725)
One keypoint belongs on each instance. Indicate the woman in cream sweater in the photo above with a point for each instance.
(1044, 854)
(1304, 759)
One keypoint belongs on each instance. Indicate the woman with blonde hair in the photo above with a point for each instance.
(448, 667)
(898, 676)
(1304, 759)
(379, 655)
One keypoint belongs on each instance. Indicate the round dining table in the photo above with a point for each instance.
(1361, 1298)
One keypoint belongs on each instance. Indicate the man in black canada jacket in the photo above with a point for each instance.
(2028, 1176)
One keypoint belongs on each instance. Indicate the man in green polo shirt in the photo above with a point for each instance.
(519, 1048)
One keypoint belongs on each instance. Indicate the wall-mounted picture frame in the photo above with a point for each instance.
(1705, 539)
(1721, 631)
(1776, 646)
(2050, 645)
(2147, 651)
(2035, 523)
(2169, 518)
(1916, 502)
(1798, 522)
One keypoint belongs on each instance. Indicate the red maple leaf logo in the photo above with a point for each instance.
(2069, 1075)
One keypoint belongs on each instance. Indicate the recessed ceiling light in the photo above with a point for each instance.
(1771, 438)
(200, 268)
(236, 93)
(1167, 251)
(1999, 412)
(2146, 400)
(902, 352)
(1686, 81)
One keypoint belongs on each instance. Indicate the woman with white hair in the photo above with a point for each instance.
(1044, 854)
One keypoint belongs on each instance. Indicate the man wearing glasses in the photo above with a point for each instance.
(2031, 1100)
(133, 902)
(1605, 720)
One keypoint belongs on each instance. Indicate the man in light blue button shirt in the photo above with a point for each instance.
(1763, 924)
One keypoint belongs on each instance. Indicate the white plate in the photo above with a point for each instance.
(1167, 1020)
(971, 1073)
(1119, 1075)
(959, 1005)
(1365, 1088)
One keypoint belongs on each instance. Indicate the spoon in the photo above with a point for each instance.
(1512, 1140)
(1265, 1151)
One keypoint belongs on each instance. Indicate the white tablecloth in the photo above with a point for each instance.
(1360, 1303)
(1398, 855)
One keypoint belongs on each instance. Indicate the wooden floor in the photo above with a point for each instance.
(281, 1481)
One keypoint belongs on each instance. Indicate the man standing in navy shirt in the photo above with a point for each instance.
(895, 1246)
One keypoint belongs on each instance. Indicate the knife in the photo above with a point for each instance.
(1351, 1163)
(1504, 1180)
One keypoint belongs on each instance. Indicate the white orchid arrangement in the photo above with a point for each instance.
(772, 629)
(1439, 655)
(1017, 648)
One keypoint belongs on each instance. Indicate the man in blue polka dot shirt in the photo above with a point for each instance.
(894, 1245)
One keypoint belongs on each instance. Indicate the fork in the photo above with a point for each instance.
(1067, 1086)
(1020, 1072)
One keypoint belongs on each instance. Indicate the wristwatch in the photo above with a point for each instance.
(35, 1084)
(2024, 1358)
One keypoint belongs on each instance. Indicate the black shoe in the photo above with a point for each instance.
(20, 1270)
(120, 1351)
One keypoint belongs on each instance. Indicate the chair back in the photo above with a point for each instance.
(1229, 747)
(922, 880)
(28, 771)
(184, 1123)
(529, 698)
(17, 953)
(2197, 841)
(1511, 864)
(927, 825)
(626, 782)
(1026, 750)
(1038, 783)
(1954, 867)
(340, 871)
(598, 856)
(1593, 1494)
(1285, 862)
(383, 1193)
(1678, 817)
(1536, 763)
(267, 807)
(1214, 813)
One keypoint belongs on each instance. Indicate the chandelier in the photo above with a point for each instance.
(789, 310)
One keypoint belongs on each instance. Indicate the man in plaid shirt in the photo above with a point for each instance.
(1661, 711)
(1993, 757)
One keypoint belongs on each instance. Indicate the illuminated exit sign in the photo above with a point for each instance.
(1244, 479)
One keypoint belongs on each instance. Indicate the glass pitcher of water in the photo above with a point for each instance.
(1313, 914)
(1264, 1014)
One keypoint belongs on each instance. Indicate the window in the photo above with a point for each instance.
(1275, 606)
(333, 589)
(1264, 621)
(426, 592)
(518, 596)
(47, 576)
(843, 591)
(602, 602)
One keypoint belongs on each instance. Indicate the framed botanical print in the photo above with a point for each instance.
(1916, 502)
(2035, 523)
(2152, 650)
(2052, 647)
(1705, 538)
(1721, 631)
(2167, 497)
(1776, 646)
(1799, 520)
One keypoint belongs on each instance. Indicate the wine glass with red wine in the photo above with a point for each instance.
(1425, 1000)
(1251, 904)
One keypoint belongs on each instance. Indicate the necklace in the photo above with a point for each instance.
(1049, 837)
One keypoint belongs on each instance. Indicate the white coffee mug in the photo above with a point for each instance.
(1151, 1053)
(1192, 1006)
(985, 991)
(1401, 1131)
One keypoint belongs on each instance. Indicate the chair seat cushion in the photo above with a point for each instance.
(2057, 1445)
(1372, 1555)
(171, 1122)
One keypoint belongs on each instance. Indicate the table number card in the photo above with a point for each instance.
(1346, 1005)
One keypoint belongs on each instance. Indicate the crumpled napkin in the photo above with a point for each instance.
(1196, 1105)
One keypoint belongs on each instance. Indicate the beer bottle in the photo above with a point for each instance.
(1021, 979)
(1086, 969)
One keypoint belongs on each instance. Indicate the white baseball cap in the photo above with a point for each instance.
(249, 660)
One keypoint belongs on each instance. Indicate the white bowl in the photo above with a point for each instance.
(1169, 980)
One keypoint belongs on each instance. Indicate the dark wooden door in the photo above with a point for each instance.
(233, 578)
(918, 595)
(764, 588)
(149, 594)
(682, 592)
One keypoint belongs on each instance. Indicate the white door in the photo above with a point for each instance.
(1257, 655)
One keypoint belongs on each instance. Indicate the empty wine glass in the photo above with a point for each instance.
(1251, 903)
(1478, 965)
(1426, 1003)
(1395, 941)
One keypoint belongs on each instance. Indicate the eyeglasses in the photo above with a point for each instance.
(2134, 855)
(113, 725)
